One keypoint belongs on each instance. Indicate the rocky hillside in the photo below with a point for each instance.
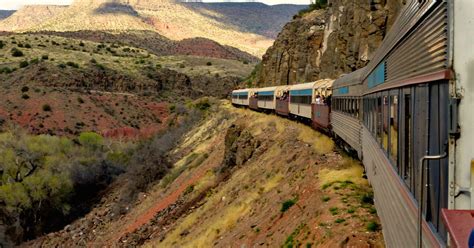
(160, 45)
(328, 42)
(234, 183)
(65, 86)
(251, 27)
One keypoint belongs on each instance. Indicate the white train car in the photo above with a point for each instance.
(241, 97)
(302, 96)
(266, 98)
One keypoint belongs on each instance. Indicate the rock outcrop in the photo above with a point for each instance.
(328, 42)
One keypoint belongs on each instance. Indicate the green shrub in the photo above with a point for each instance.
(93, 61)
(80, 100)
(25, 89)
(62, 66)
(34, 61)
(91, 140)
(16, 52)
(6, 70)
(334, 210)
(339, 220)
(24, 64)
(47, 108)
(372, 226)
(287, 205)
(45, 57)
(1, 44)
(326, 198)
(319, 4)
(27, 46)
(209, 63)
(25, 96)
(81, 44)
(72, 64)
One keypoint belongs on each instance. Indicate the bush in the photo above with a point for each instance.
(72, 64)
(24, 64)
(45, 57)
(287, 205)
(25, 89)
(1, 44)
(91, 140)
(27, 46)
(25, 96)
(47, 108)
(209, 63)
(34, 61)
(319, 4)
(372, 226)
(6, 70)
(16, 52)
(62, 66)
(81, 44)
(182, 66)
(93, 61)
(80, 100)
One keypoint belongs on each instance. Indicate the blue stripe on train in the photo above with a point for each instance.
(308, 92)
(266, 93)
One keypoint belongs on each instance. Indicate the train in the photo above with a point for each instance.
(408, 115)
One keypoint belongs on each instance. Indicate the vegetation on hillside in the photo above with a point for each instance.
(319, 4)
(48, 181)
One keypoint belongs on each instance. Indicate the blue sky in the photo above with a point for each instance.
(15, 4)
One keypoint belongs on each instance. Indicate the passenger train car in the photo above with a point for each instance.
(408, 115)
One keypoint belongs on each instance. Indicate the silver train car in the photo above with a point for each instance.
(408, 117)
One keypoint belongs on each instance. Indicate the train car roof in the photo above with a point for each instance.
(267, 89)
(353, 78)
(241, 90)
(320, 84)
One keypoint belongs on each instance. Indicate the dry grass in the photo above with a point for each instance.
(321, 143)
(351, 170)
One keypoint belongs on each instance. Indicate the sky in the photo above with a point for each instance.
(15, 4)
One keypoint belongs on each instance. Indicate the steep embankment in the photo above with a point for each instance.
(268, 181)
(328, 42)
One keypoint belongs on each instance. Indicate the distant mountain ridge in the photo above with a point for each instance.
(250, 27)
(6, 13)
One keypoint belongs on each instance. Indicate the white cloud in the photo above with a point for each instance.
(15, 4)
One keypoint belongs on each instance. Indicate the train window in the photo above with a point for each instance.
(394, 129)
(379, 120)
(407, 139)
(385, 117)
(301, 99)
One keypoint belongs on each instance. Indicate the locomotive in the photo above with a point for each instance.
(408, 116)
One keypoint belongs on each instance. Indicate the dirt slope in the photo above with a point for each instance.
(235, 183)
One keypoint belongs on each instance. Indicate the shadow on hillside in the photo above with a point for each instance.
(116, 8)
(258, 18)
